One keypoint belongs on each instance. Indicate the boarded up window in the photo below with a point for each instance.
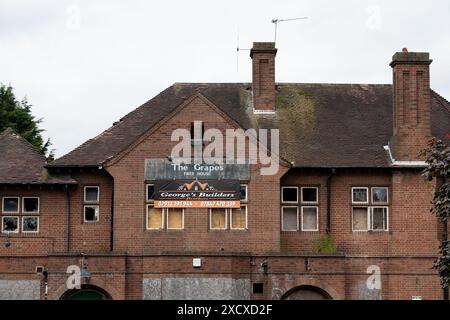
(360, 219)
(238, 218)
(218, 218)
(290, 218)
(174, 218)
(309, 219)
(154, 218)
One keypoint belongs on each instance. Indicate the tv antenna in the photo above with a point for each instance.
(237, 51)
(276, 21)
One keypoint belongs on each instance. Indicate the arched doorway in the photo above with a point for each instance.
(87, 292)
(306, 292)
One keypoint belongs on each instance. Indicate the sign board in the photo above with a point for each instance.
(197, 194)
(163, 169)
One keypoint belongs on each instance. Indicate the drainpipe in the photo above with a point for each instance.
(67, 218)
(111, 234)
(444, 239)
(328, 230)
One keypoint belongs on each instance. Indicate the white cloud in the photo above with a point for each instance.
(119, 54)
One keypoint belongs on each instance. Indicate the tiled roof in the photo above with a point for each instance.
(21, 163)
(321, 125)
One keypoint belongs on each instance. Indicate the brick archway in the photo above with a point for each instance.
(320, 288)
(93, 282)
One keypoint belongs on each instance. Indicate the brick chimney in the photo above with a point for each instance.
(412, 104)
(263, 76)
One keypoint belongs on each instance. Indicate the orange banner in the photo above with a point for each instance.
(197, 204)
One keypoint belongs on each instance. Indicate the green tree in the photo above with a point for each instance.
(438, 159)
(17, 115)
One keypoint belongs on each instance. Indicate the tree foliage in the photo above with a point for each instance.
(438, 159)
(17, 115)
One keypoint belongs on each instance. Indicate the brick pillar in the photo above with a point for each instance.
(412, 104)
(263, 75)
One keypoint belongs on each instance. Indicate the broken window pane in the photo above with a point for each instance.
(360, 219)
(290, 218)
(150, 192)
(289, 194)
(218, 218)
(359, 195)
(91, 213)
(154, 218)
(379, 219)
(309, 195)
(379, 195)
(10, 224)
(10, 204)
(309, 219)
(91, 194)
(238, 218)
(30, 224)
(31, 205)
(174, 218)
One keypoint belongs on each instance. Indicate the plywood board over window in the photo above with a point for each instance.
(175, 218)
(218, 218)
(239, 218)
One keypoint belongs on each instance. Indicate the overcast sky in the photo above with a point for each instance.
(85, 64)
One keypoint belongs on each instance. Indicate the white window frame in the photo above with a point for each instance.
(246, 192)
(31, 212)
(310, 202)
(317, 218)
(360, 202)
(18, 205)
(146, 192)
(167, 219)
(210, 219)
(162, 210)
(18, 224)
(367, 217)
(371, 218)
(30, 216)
(290, 187)
(84, 213)
(98, 194)
(379, 203)
(282, 218)
(246, 218)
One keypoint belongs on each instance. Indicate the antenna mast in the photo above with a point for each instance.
(276, 21)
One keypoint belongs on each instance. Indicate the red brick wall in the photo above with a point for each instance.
(263, 225)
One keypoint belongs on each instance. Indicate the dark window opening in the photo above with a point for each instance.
(289, 194)
(258, 288)
(30, 204)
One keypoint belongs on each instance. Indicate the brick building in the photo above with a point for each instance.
(349, 173)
